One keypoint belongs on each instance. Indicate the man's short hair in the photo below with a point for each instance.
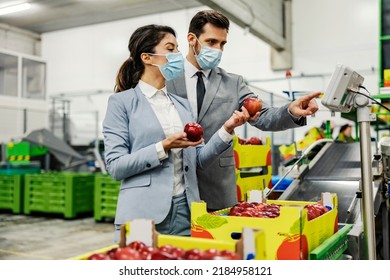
(208, 16)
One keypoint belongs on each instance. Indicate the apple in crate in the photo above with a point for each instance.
(127, 253)
(254, 141)
(253, 105)
(99, 256)
(136, 245)
(194, 131)
(315, 210)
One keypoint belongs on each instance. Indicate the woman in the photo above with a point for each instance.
(145, 145)
(345, 134)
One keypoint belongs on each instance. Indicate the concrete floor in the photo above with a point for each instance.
(51, 237)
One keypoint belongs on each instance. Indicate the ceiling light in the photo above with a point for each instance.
(14, 8)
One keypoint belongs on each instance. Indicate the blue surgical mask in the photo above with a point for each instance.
(173, 68)
(208, 58)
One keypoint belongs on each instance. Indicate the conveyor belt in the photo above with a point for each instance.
(337, 170)
(340, 162)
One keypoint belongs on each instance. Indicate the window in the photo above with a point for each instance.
(8, 75)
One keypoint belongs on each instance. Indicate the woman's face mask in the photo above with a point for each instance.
(174, 66)
(208, 57)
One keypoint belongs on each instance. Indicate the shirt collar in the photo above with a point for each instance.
(190, 70)
(148, 90)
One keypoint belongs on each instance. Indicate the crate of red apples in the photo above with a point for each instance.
(251, 152)
(140, 241)
(292, 228)
(253, 165)
(138, 250)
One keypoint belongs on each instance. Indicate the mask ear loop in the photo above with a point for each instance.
(193, 47)
(152, 54)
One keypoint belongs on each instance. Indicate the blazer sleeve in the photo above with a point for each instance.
(120, 160)
(271, 119)
(208, 153)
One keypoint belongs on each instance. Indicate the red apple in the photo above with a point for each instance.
(136, 245)
(111, 253)
(166, 248)
(321, 207)
(177, 252)
(244, 204)
(247, 213)
(254, 141)
(147, 252)
(162, 255)
(194, 131)
(241, 141)
(253, 105)
(210, 253)
(229, 255)
(315, 210)
(99, 256)
(310, 215)
(193, 254)
(127, 254)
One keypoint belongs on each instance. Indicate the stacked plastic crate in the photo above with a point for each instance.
(253, 167)
(66, 193)
(12, 176)
(106, 196)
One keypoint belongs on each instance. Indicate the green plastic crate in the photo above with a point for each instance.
(106, 196)
(333, 247)
(11, 193)
(64, 193)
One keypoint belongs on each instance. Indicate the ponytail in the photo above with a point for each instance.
(128, 75)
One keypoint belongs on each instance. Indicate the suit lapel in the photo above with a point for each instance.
(211, 90)
(146, 112)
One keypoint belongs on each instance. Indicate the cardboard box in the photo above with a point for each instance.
(289, 236)
(248, 181)
(247, 156)
(250, 246)
(386, 77)
(247, 159)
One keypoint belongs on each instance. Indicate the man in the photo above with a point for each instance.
(224, 93)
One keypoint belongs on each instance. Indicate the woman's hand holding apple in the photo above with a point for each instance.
(179, 140)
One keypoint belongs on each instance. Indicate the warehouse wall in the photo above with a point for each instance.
(18, 114)
(19, 40)
(86, 59)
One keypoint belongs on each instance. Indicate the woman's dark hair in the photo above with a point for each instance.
(344, 127)
(208, 16)
(143, 40)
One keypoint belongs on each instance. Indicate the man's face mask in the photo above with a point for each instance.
(208, 57)
(174, 66)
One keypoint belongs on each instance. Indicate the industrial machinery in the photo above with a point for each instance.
(360, 180)
(65, 154)
(16, 156)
